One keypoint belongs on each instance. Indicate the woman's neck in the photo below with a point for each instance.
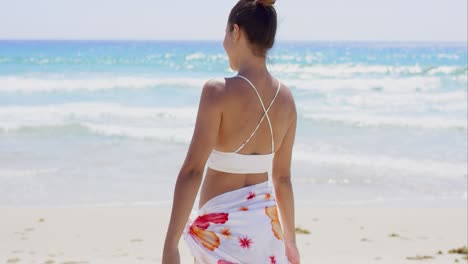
(252, 66)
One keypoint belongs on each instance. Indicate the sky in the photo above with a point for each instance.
(310, 20)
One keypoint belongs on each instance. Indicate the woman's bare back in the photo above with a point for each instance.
(241, 113)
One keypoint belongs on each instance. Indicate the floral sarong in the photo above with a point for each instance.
(240, 226)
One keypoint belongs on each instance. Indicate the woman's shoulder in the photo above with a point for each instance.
(218, 86)
(285, 90)
(215, 84)
(287, 99)
(213, 91)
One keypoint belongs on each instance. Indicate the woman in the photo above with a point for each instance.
(238, 220)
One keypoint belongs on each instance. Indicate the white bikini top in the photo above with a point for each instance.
(235, 162)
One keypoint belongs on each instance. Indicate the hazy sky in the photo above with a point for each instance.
(389, 20)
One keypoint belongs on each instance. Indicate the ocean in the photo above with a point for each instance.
(87, 122)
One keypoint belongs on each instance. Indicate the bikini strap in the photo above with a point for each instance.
(265, 114)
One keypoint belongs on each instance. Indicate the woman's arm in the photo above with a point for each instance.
(191, 174)
(283, 188)
(282, 182)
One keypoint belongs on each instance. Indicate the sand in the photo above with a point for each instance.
(338, 234)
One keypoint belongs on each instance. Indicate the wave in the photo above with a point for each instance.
(94, 111)
(446, 110)
(384, 84)
(398, 102)
(173, 124)
(174, 133)
(387, 84)
(350, 70)
(163, 134)
(33, 84)
(437, 168)
(370, 120)
(314, 77)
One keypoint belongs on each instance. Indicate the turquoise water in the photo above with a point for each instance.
(105, 122)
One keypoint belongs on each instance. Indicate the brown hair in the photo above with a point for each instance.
(258, 19)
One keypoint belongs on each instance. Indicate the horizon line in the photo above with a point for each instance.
(219, 40)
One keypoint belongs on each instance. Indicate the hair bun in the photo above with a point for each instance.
(266, 2)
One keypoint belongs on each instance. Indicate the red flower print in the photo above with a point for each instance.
(272, 259)
(207, 238)
(267, 196)
(272, 213)
(224, 262)
(203, 221)
(245, 242)
(244, 208)
(251, 195)
(226, 232)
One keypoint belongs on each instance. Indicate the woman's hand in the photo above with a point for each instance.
(292, 252)
(171, 256)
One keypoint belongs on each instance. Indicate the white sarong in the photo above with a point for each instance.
(240, 226)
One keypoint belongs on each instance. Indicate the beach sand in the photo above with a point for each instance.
(350, 234)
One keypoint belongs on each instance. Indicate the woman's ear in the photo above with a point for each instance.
(236, 32)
